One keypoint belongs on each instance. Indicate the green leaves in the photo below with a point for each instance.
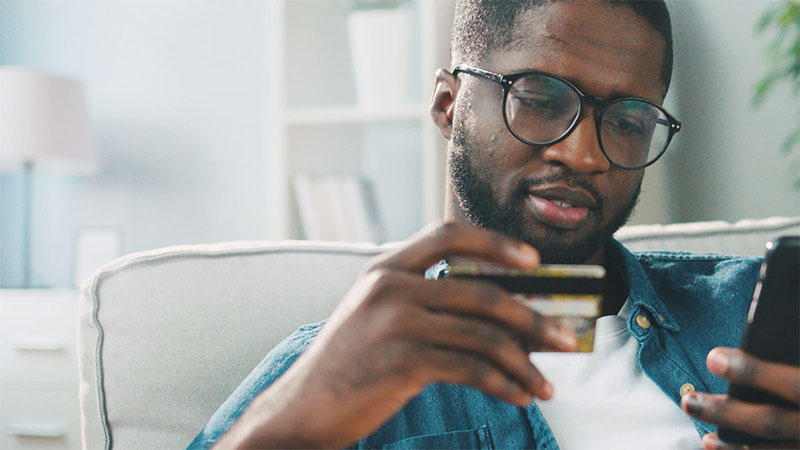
(783, 51)
(783, 56)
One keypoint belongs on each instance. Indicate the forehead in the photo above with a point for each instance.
(606, 50)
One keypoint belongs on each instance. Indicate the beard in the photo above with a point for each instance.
(473, 188)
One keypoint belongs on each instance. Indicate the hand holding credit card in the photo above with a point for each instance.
(396, 331)
(572, 294)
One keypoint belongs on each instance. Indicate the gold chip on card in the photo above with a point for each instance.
(572, 294)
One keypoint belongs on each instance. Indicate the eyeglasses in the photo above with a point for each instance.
(542, 109)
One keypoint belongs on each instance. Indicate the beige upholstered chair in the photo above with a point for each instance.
(166, 335)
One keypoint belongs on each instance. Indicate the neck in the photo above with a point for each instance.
(616, 289)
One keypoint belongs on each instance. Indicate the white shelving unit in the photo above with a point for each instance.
(316, 125)
(39, 369)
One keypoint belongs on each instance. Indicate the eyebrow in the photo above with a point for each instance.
(517, 40)
(615, 93)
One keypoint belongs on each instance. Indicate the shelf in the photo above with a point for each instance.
(321, 128)
(353, 114)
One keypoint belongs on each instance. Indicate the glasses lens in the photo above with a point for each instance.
(540, 109)
(633, 132)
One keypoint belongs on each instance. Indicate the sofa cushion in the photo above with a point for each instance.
(746, 237)
(166, 335)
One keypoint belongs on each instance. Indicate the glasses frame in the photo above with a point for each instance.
(506, 81)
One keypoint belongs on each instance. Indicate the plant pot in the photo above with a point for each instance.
(380, 44)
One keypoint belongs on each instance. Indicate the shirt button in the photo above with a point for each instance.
(643, 321)
(687, 388)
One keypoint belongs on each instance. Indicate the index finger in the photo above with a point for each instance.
(746, 370)
(482, 299)
(455, 238)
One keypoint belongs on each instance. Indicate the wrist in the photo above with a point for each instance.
(264, 428)
(278, 417)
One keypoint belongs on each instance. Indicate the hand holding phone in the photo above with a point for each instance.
(762, 406)
(773, 329)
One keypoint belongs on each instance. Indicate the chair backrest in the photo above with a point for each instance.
(166, 335)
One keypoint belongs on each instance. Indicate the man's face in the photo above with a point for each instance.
(501, 183)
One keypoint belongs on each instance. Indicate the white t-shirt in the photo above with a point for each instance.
(603, 400)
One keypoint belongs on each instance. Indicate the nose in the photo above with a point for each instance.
(580, 150)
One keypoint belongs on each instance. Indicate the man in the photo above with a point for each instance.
(552, 112)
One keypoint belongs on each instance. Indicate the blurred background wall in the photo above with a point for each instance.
(727, 163)
(177, 92)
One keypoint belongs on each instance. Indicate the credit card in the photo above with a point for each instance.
(572, 294)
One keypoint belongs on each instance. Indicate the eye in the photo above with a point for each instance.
(625, 125)
(539, 103)
(535, 101)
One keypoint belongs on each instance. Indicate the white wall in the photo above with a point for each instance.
(176, 91)
(727, 163)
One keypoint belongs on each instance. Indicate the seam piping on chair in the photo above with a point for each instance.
(225, 253)
(697, 234)
(100, 388)
(99, 379)
(98, 369)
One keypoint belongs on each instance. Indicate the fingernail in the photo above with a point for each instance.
(565, 337)
(526, 254)
(523, 397)
(710, 441)
(547, 390)
(569, 340)
(693, 404)
(520, 396)
(718, 362)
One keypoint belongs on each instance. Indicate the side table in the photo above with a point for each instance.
(38, 369)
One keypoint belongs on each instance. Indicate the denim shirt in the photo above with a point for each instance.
(693, 303)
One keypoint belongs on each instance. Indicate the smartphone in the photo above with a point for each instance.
(572, 294)
(772, 332)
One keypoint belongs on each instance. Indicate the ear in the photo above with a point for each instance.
(444, 101)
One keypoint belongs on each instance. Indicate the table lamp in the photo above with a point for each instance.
(44, 126)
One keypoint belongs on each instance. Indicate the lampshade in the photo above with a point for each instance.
(44, 123)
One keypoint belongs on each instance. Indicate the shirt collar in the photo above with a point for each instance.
(641, 293)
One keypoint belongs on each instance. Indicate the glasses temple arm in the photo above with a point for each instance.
(496, 77)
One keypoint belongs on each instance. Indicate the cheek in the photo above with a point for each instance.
(622, 188)
(497, 156)
(483, 116)
(490, 140)
(496, 145)
(509, 165)
(493, 162)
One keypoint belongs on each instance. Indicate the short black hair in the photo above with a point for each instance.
(482, 26)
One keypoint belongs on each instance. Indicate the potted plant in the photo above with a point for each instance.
(783, 22)
(381, 38)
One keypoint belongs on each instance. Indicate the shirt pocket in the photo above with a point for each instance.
(478, 438)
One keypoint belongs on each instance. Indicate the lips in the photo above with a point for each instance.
(560, 206)
(576, 197)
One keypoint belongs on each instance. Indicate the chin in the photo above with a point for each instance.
(560, 246)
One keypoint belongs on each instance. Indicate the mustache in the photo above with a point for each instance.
(570, 180)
